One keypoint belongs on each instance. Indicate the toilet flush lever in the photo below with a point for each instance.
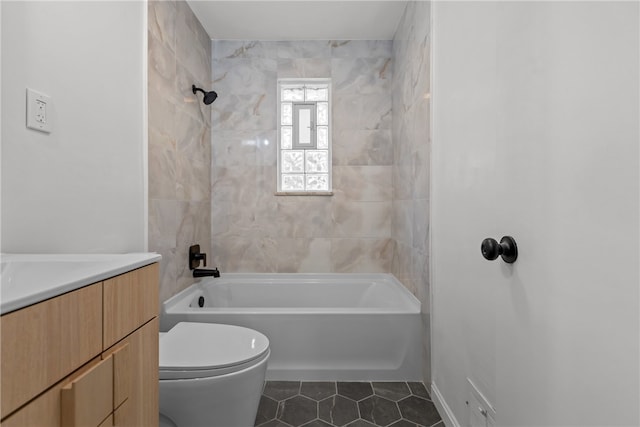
(507, 249)
(195, 256)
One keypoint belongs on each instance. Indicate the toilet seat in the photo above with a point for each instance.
(201, 350)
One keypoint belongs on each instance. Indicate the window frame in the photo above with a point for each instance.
(313, 132)
(295, 145)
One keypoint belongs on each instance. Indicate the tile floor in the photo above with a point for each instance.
(350, 404)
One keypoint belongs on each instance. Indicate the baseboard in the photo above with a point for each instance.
(442, 407)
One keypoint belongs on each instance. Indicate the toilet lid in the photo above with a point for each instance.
(205, 346)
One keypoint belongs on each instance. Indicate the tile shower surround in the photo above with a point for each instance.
(255, 231)
(359, 229)
(351, 404)
(411, 154)
(179, 140)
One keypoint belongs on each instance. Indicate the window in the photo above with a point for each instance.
(304, 136)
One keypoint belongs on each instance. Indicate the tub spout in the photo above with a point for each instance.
(203, 272)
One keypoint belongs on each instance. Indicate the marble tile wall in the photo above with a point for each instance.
(179, 55)
(411, 151)
(255, 231)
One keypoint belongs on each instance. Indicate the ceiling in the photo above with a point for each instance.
(299, 19)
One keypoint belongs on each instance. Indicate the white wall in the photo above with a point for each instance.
(536, 135)
(0, 127)
(82, 187)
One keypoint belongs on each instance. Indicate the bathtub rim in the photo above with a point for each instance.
(180, 302)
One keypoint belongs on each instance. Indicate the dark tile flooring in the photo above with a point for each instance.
(350, 404)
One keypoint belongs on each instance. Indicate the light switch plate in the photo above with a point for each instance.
(38, 111)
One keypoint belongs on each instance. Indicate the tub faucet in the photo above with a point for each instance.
(203, 272)
(195, 256)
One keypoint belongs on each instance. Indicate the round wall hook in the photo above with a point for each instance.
(507, 249)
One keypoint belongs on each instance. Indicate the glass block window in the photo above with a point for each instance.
(304, 135)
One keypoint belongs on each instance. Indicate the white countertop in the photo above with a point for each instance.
(27, 279)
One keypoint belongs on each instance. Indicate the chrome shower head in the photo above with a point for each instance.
(208, 98)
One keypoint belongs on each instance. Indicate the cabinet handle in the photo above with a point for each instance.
(88, 399)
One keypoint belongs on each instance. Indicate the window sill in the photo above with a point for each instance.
(304, 193)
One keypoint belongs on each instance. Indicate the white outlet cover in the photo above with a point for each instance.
(38, 111)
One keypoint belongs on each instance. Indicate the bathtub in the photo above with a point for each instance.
(321, 327)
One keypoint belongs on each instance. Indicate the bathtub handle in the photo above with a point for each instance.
(507, 248)
(195, 256)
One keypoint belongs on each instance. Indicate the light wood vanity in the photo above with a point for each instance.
(88, 357)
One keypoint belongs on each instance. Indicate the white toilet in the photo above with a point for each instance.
(211, 375)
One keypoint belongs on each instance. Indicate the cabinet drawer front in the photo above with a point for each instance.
(45, 410)
(45, 342)
(130, 300)
(88, 400)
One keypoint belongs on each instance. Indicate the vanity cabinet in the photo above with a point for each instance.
(85, 358)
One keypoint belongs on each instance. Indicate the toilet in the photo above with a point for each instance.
(211, 375)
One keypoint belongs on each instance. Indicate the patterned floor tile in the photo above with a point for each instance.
(379, 410)
(418, 410)
(391, 390)
(267, 410)
(361, 423)
(317, 423)
(355, 390)
(297, 410)
(346, 404)
(419, 390)
(403, 423)
(274, 423)
(318, 390)
(338, 410)
(280, 390)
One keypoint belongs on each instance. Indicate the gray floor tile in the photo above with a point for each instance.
(318, 390)
(280, 390)
(338, 410)
(403, 423)
(418, 410)
(317, 423)
(355, 390)
(267, 410)
(391, 390)
(379, 410)
(274, 423)
(419, 389)
(298, 410)
(361, 423)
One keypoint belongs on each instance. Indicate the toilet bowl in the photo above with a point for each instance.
(211, 375)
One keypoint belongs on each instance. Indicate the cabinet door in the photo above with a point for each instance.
(43, 343)
(130, 300)
(140, 407)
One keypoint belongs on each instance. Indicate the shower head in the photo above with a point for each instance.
(209, 97)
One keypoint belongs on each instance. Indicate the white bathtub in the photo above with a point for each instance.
(321, 327)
